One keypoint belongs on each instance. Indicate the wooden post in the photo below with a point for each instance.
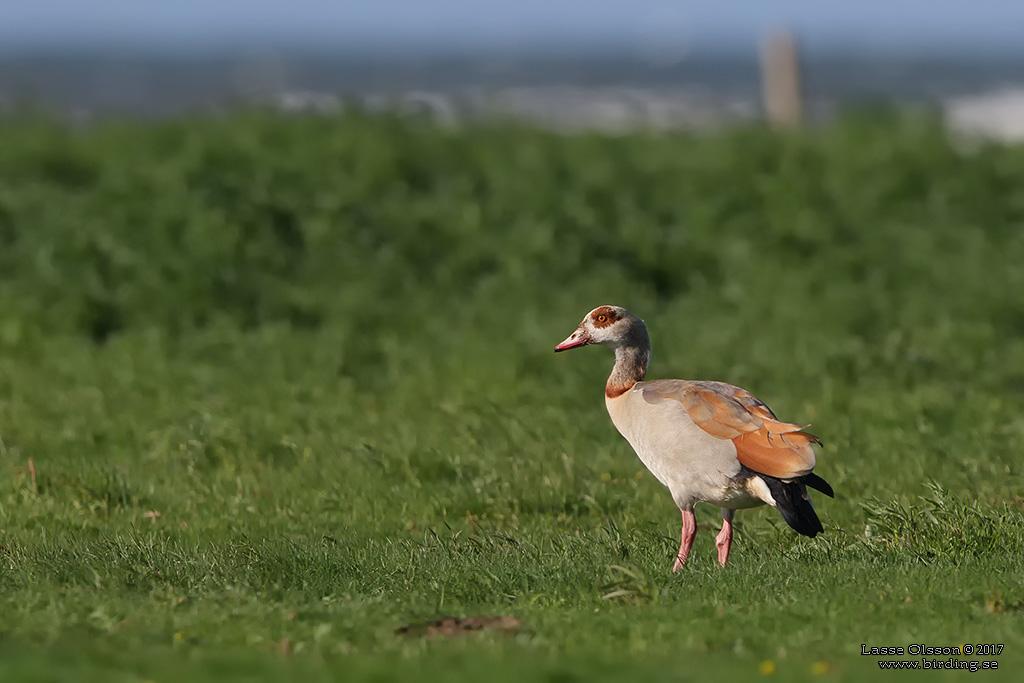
(780, 80)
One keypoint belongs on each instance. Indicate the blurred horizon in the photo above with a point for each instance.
(610, 64)
(407, 28)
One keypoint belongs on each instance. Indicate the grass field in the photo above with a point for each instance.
(272, 388)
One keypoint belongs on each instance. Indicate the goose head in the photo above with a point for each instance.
(611, 326)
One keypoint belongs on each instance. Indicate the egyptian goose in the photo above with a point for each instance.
(706, 441)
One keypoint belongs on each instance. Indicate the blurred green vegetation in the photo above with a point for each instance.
(287, 383)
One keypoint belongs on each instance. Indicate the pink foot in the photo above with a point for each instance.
(724, 538)
(689, 533)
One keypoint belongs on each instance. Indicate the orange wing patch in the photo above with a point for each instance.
(763, 443)
(785, 455)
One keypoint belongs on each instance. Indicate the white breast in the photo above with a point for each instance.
(693, 464)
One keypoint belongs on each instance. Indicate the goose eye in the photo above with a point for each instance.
(601, 318)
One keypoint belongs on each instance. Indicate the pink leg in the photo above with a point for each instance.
(724, 538)
(689, 532)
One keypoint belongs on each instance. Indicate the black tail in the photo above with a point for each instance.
(792, 501)
(816, 482)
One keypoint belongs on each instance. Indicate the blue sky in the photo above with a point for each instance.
(190, 23)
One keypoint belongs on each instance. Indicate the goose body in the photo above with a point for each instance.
(706, 441)
(693, 464)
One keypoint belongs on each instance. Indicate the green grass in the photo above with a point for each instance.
(287, 385)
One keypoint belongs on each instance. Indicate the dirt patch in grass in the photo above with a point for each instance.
(453, 626)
